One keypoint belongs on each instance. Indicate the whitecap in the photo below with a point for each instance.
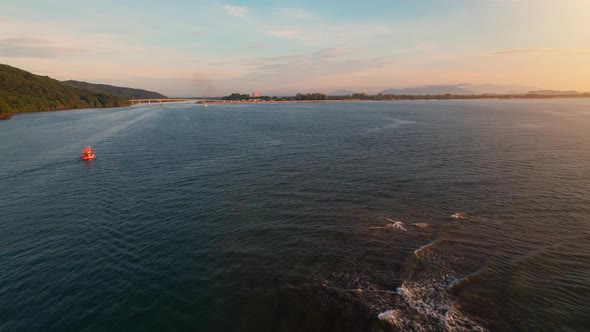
(424, 302)
(392, 317)
(429, 300)
(459, 215)
(425, 248)
(394, 224)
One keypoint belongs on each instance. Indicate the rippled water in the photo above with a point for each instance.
(311, 216)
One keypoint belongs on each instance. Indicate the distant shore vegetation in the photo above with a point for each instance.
(21, 91)
(128, 93)
(316, 96)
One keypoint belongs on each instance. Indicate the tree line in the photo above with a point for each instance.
(382, 97)
(21, 91)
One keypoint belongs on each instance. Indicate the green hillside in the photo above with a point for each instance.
(21, 91)
(128, 93)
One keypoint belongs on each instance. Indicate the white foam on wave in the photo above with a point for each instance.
(424, 249)
(393, 224)
(427, 303)
(459, 215)
(397, 225)
(390, 315)
(420, 224)
(396, 318)
(424, 302)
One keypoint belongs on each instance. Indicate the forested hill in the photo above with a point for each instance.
(21, 91)
(128, 93)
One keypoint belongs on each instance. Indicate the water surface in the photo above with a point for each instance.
(285, 217)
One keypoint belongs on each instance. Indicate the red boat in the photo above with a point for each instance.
(87, 153)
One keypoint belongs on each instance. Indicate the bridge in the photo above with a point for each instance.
(172, 100)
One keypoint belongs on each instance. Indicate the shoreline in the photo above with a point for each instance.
(9, 115)
(237, 102)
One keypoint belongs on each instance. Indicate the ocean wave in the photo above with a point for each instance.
(393, 224)
(425, 305)
(425, 248)
(459, 216)
(424, 301)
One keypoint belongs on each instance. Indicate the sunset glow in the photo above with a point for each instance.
(184, 48)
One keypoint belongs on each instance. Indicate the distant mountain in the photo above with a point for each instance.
(21, 91)
(341, 93)
(429, 90)
(553, 93)
(128, 93)
(497, 89)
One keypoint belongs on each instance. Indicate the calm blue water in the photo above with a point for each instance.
(298, 217)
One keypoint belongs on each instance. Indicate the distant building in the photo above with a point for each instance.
(256, 94)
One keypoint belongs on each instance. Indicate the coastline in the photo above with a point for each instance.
(258, 101)
(8, 116)
(239, 102)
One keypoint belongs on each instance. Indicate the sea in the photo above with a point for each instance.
(336, 216)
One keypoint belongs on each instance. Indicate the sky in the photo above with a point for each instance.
(185, 48)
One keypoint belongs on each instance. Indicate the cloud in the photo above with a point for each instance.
(288, 34)
(296, 13)
(527, 50)
(322, 54)
(323, 32)
(508, 52)
(556, 51)
(238, 11)
(35, 48)
(500, 1)
(318, 64)
(24, 41)
(329, 53)
(253, 46)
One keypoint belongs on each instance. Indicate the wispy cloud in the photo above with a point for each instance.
(238, 11)
(320, 32)
(254, 46)
(556, 51)
(24, 41)
(288, 34)
(35, 48)
(527, 50)
(296, 13)
(327, 53)
(539, 51)
(322, 54)
(317, 65)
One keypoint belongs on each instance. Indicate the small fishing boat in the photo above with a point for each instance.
(87, 153)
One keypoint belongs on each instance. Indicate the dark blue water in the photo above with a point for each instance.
(298, 217)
